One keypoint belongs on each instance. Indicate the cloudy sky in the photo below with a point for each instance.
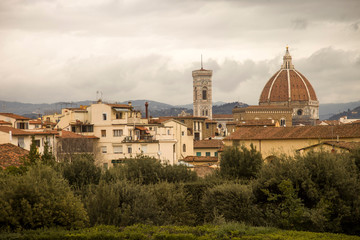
(61, 50)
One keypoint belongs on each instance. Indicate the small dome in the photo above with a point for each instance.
(287, 85)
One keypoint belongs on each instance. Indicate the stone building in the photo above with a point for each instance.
(202, 93)
(289, 88)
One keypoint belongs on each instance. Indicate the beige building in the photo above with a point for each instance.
(122, 133)
(22, 138)
(15, 120)
(276, 140)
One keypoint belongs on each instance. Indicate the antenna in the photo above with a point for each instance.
(201, 62)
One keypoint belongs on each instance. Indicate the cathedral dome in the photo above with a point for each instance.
(287, 85)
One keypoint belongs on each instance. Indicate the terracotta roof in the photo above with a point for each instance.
(11, 155)
(262, 107)
(277, 89)
(35, 121)
(2, 122)
(191, 117)
(303, 132)
(200, 159)
(141, 128)
(15, 116)
(260, 122)
(213, 143)
(19, 132)
(68, 134)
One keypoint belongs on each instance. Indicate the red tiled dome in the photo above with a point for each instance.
(287, 84)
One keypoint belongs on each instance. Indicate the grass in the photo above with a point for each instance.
(223, 231)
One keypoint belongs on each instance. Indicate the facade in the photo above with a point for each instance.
(207, 148)
(122, 133)
(331, 146)
(282, 115)
(289, 88)
(202, 93)
(22, 138)
(274, 140)
(15, 120)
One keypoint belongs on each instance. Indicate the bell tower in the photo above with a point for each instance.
(202, 92)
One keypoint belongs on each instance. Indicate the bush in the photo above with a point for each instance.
(233, 202)
(81, 171)
(316, 191)
(240, 163)
(39, 198)
(148, 170)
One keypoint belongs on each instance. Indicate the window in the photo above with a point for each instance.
(21, 142)
(182, 133)
(207, 126)
(129, 149)
(104, 149)
(204, 97)
(282, 122)
(119, 115)
(104, 116)
(207, 154)
(216, 154)
(184, 147)
(37, 143)
(73, 128)
(118, 149)
(300, 112)
(168, 131)
(118, 132)
(103, 133)
(143, 148)
(87, 128)
(22, 125)
(198, 154)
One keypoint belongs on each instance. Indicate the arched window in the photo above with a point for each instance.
(184, 147)
(282, 122)
(204, 93)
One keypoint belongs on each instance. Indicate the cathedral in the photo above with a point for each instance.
(287, 98)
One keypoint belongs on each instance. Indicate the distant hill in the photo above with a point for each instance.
(227, 107)
(327, 110)
(351, 114)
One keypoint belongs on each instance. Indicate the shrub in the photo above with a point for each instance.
(232, 201)
(240, 163)
(39, 198)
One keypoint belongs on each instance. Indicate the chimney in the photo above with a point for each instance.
(147, 110)
(129, 103)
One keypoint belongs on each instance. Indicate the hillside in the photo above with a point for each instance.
(329, 109)
(355, 113)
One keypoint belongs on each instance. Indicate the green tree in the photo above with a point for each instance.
(34, 151)
(39, 198)
(47, 157)
(81, 171)
(240, 163)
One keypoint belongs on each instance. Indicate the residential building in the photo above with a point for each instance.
(276, 140)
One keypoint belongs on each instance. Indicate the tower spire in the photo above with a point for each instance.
(201, 63)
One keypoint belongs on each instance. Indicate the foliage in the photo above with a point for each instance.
(47, 157)
(316, 191)
(39, 198)
(232, 201)
(81, 171)
(224, 231)
(148, 170)
(240, 163)
(34, 154)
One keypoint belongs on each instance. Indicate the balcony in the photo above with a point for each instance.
(140, 139)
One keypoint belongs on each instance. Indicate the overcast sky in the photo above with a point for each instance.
(146, 49)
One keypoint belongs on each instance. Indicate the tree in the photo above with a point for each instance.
(34, 151)
(47, 157)
(39, 198)
(242, 163)
(81, 171)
